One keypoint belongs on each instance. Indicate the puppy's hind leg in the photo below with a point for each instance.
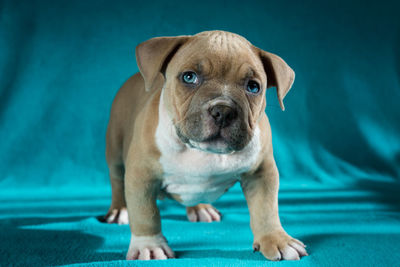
(117, 212)
(203, 213)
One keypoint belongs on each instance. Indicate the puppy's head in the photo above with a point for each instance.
(215, 85)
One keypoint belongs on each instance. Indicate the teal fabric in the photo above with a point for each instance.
(337, 144)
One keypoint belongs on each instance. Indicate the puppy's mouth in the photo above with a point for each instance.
(215, 144)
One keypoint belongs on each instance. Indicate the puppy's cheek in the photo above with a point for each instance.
(195, 128)
(180, 132)
(242, 130)
(237, 136)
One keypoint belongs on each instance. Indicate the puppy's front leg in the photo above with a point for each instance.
(261, 191)
(147, 241)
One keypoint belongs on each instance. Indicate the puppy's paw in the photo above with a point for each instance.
(149, 248)
(203, 213)
(278, 245)
(119, 216)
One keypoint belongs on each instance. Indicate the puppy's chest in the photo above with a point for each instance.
(192, 176)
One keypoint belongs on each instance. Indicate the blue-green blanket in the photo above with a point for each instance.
(337, 145)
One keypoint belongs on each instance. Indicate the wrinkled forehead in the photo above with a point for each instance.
(223, 41)
(219, 54)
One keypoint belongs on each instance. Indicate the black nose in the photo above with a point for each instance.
(223, 115)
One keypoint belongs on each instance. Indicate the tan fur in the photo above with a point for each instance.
(133, 155)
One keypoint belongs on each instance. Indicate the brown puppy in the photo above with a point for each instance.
(189, 126)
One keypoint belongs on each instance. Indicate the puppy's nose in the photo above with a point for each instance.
(223, 115)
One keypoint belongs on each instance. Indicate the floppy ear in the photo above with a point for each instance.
(153, 56)
(279, 74)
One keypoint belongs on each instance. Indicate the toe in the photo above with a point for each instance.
(204, 216)
(214, 214)
(110, 217)
(168, 251)
(289, 253)
(299, 248)
(271, 252)
(144, 254)
(123, 217)
(119, 216)
(158, 254)
(132, 255)
(299, 242)
(203, 213)
(192, 216)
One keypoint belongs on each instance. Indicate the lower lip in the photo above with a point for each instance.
(218, 146)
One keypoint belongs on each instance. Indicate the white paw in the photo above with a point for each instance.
(203, 213)
(149, 248)
(279, 245)
(119, 216)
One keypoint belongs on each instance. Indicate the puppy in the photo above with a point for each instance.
(189, 126)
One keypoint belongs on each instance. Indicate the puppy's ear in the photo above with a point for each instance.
(279, 74)
(153, 56)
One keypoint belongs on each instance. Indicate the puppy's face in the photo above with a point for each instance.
(214, 91)
(214, 88)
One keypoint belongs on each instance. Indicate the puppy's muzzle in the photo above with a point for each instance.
(223, 114)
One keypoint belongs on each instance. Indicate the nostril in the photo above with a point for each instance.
(216, 114)
(222, 115)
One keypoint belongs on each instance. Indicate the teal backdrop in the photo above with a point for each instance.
(337, 145)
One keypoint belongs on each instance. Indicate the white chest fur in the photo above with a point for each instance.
(197, 176)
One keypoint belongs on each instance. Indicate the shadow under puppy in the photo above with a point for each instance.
(189, 126)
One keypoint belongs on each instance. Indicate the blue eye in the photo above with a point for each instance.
(190, 77)
(253, 87)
